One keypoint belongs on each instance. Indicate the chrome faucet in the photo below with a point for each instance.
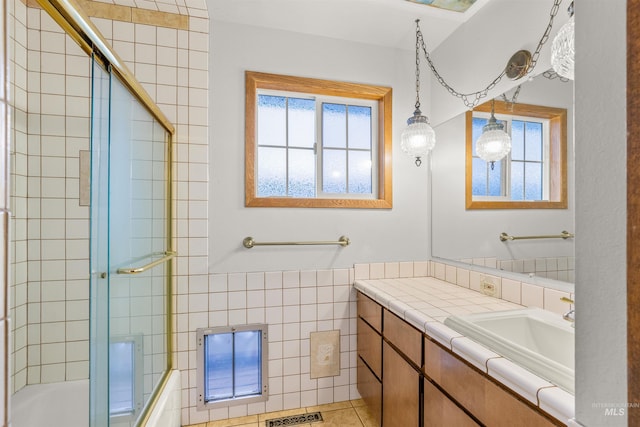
(569, 316)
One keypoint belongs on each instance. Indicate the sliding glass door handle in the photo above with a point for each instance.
(166, 257)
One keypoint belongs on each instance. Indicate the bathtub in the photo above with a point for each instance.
(66, 404)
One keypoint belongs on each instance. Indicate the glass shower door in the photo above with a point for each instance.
(135, 306)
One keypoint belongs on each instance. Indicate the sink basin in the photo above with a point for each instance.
(535, 339)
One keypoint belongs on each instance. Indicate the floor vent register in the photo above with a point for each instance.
(293, 420)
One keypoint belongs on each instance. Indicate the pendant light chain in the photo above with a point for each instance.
(472, 99)
(545, 36)
(417, 72)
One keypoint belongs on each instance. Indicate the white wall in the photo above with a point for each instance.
(399, 234)
(459, 233)
(601, 200)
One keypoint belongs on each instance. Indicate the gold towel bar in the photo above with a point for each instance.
(167, 256)
(248, 242)
(563, 235)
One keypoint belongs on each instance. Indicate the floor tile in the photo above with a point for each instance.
(340, 417)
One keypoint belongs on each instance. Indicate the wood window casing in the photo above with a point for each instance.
(383, 95)
(557, 157)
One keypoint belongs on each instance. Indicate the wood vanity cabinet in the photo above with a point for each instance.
(489, 402)
(369, 367)
(408, 380)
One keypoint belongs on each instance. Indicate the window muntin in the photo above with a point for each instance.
(548, 165)
(232, 365)
(330, 147)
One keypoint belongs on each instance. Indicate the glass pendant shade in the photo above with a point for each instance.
(418, 138)
(494, 143)
(563, 50)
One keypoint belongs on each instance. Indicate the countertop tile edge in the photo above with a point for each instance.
(517, 378)
(558, 403)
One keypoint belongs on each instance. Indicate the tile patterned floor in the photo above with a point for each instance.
(344, 414)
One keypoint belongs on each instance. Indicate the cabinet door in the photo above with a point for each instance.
(370, 388)
(401, 391)
(439, 411)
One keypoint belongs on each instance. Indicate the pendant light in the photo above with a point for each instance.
(494, 143)
(563, 48)
(418, 138)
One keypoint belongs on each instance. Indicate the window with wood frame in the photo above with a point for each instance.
(316, 143)
(534, 173)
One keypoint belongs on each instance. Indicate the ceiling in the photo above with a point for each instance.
(388, 23)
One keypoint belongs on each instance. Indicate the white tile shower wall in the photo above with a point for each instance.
(18, 285)
(7, 104)
(57, 227)
(293, 304)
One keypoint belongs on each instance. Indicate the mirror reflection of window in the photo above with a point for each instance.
(523, 173)
(534, 173)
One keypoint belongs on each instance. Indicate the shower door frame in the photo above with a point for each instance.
(78, 26)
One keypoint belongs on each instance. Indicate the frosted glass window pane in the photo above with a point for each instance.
(479, 179)
(495, 179)
(476, 128)
(360, 172)
(302, 173)
(517, 140)
(302, 118)
(272, 172)
(359, 127)
(272, 120)
(334, 125)
(121, 377)
(248, 366)
(218, 366)
(334, 171)
(534, 141)
(517, 180)
(533, 179)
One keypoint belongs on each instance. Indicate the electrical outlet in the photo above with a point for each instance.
(487, 286)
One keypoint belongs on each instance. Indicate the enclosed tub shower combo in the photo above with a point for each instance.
(125, 197)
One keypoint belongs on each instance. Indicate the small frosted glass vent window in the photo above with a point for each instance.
(125, 376)
(315, 146)
(232, 365)
(521, 174)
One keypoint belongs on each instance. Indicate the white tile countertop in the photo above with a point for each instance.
(425, 302)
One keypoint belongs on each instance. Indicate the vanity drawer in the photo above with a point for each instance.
(403, 336)
(370, 311)
(370, 347)
(439, 410)
(490, 403)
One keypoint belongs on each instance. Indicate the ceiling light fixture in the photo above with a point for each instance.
(563, 48)
(418, 138)
(494, 143)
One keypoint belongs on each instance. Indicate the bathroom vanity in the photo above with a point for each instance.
(410, 375)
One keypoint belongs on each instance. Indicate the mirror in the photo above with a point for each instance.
(473, 236)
